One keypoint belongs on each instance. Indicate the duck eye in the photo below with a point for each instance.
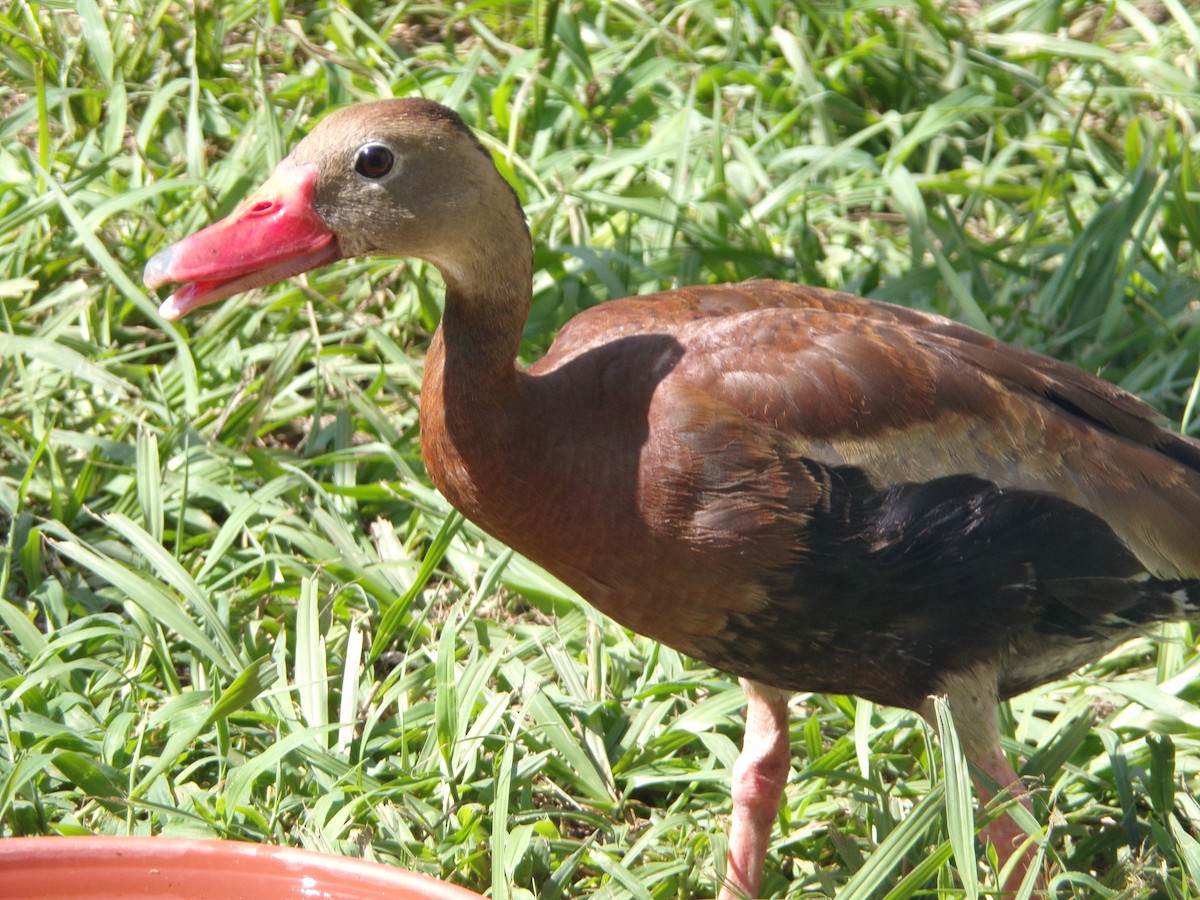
(373, 160)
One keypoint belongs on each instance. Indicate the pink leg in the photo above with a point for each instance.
(759, 777)
(972, 696)
(1004, 833)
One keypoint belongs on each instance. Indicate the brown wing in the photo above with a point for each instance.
(909, 397)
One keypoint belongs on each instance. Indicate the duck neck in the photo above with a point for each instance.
(478, 340)
(488, 270)
(471, 386)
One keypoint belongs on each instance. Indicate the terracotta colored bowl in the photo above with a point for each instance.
(107, 868)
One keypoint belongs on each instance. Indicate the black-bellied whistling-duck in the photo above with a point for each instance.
(810, 490)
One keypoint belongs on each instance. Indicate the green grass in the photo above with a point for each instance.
(231, 604)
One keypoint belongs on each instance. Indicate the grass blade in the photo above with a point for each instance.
(960, 816)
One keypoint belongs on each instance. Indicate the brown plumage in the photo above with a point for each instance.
(808, 489)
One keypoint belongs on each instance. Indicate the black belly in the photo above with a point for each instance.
(890, 591)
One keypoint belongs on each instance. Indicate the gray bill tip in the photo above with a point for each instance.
(155, 273)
